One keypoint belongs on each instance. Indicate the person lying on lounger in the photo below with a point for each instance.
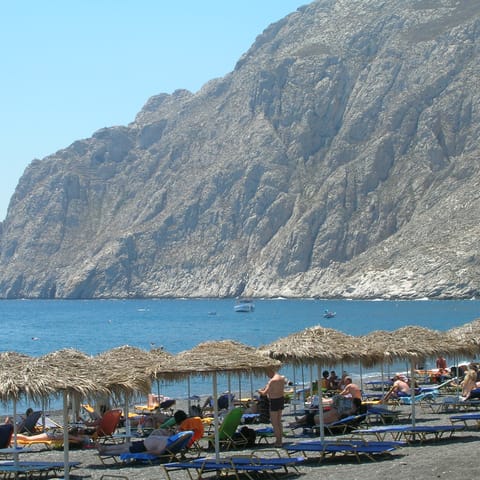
(155, 444)
(312, 419)
(48, 437)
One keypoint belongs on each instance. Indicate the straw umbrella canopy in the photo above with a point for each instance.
(18, 379)
(223, 356)
(13, 377)
(125, 371)
(314, 345)
(412, 343)
(73, 373)
(468, 333)
(210, 358)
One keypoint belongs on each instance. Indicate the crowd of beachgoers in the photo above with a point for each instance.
(448, 455)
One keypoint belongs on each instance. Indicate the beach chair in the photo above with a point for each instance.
(422, 433)
(222, 467)
(410, 433)
(28, 425)
(383, 431)
(284, 462)
(384, 415)
(227, 431)
(345, 425)
(34, 469)
(357, 448)
(108, 424)
(177, 446)
(466, 417)
(421, 397)
(339, 427)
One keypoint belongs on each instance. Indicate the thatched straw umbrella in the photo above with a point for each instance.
(19, 378)
(210, 358)
(468, 333)
(73, 373)
(16, 382)
(13, 383)
(413, 343)
(314, 345)
(125, 371)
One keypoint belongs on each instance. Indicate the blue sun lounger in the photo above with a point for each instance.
(176, 445)
(410, 433)
(356, 448)
(223, 466)
(284, 462)
(381, 432)
(465, 417)
(30, 468)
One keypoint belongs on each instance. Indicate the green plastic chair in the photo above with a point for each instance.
(228, 429)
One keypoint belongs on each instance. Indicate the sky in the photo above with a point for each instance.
(71, 67)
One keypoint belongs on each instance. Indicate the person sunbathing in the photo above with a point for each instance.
(48, 437)
(155, 443)
(332, 415)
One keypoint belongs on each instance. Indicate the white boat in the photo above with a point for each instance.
(328, 314)
(244, 306)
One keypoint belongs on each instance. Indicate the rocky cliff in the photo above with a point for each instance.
(340, 158)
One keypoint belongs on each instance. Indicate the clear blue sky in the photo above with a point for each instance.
(70, 67)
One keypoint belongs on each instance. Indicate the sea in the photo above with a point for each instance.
(37, 327)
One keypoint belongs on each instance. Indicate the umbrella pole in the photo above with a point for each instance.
(66, 469)
(215, 418)
(189, 403)
(294, 390)
(412, 391)
(311, 382)
(361, 377)
(127, 417)
(15, 431)
(383, 379)
(44, 407)
(320, 409)
(251, 387)
(239, 387)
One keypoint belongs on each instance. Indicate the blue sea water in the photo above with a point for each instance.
(36, 327)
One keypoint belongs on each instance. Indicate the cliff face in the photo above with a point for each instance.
(339, 159)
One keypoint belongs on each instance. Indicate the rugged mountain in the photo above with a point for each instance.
(340, 158)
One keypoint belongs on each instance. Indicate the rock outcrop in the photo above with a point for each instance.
(340, 158)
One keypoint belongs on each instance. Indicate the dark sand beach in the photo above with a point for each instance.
(448, 458)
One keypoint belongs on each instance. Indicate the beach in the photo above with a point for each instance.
(444, 458)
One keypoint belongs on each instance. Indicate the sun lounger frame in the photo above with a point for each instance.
(223, 466)
(410, 433)
(357, 448)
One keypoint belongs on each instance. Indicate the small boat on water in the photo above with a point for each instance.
(328, 314)
(244, 305)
